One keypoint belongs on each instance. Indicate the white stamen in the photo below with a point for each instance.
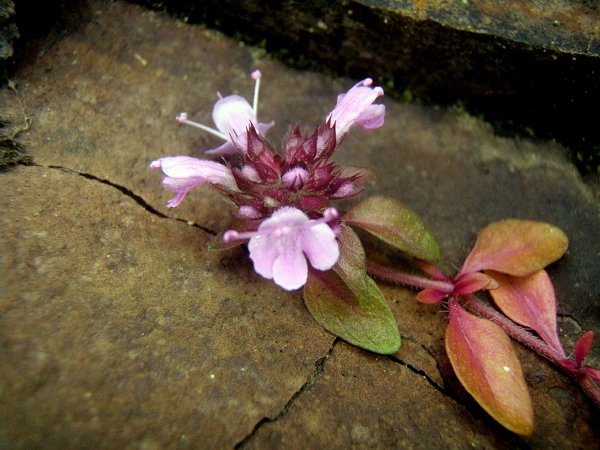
(256, 75)
(183, 119)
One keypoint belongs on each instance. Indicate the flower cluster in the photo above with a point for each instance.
(283, 200)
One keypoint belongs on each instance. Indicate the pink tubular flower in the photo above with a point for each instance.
(355, 107)
(232, 115)
(184, 173)
(283, 242)
(279, 195)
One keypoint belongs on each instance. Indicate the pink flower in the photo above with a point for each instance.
(355, 108)
(283, 242)
(232, 115)
(184, 173)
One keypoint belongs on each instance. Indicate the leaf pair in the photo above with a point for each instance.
(513, 254)
(345, 300)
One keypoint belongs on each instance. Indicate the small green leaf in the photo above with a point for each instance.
(486, 364)
(351, 265)
(516, 247)
(216, 244)
(362, 318)
(396, 225)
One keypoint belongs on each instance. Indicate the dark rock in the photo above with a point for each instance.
(528, 66)
(8, 29)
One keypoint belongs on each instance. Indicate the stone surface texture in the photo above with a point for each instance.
(120, 329)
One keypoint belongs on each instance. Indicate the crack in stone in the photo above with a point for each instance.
(316, 374)
(128, 192)
(422, 373)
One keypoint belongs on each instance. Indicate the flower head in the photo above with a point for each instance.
(284, 199)
(282, 244)
(355, 108)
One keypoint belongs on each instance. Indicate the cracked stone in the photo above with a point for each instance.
(104, 328)
(126, 331)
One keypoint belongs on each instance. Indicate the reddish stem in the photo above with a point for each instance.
(591, 388)
(476, 306)
(515, 331)
(518, 333)
(408, 279)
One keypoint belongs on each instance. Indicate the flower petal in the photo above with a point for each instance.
(233, 114)
(279, 246)
(355, 107)
(228, 149)
(290, 270)
(263, 254)
(320, 246)
(188, 167)
(183, 173)
(181, 186)
(372, 117)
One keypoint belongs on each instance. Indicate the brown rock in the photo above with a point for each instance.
(118, 328)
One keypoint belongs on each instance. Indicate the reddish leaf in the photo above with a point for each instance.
(516, 247)
(487, 366)
(474, 282)
(362, 318)
(529, 301)
(583, 347)
(395, 224)
(431, 270)
(431, 296)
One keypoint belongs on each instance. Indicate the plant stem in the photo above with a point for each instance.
(408, 279)
(590, 388)
(515, 331)
(476, 306)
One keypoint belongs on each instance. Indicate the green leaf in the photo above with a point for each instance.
(396, 225)
(486, 364)
(351, 265)
(362, 318)
(216, 244)
(516, 247)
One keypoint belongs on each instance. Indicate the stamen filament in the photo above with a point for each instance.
(256, 75)
(182, 118)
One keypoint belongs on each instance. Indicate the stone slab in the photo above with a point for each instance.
(119, 329)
